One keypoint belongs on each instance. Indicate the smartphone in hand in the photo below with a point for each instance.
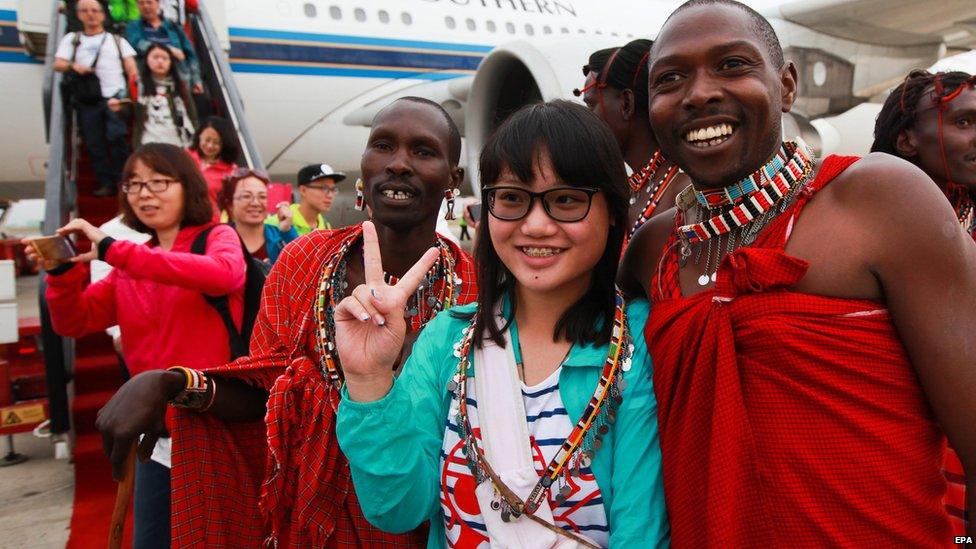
(54, 248)
(474, 210)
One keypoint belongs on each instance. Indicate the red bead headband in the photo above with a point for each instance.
(600, 82)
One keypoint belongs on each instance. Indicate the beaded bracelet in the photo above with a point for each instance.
(193, 394)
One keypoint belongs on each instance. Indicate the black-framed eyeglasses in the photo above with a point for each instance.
(323, 188)
(155, 186)
(563, 204)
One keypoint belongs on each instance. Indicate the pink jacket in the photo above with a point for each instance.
(156, 298)
(214, 174)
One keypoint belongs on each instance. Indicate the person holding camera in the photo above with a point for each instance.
(96, 64)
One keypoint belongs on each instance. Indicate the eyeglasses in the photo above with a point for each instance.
(563, 204)
(326, 190)
(248, 198)
(155, 186)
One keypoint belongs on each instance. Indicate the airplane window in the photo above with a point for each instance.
(449, 22)
(614, 33)
(310, 10)
(510, 27)
(546, 29)
(335, 12)
(529, 29)
(564, 30)
(582, 31)
(359, 14)
(598, 31)
(406, 18)
(384, 17)
(490, 25)
(471, 24)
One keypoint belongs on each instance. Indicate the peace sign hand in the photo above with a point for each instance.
(369, 324)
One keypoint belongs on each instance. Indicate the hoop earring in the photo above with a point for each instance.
(360, 197)
(450, 195)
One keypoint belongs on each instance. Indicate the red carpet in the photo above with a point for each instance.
(96, 376)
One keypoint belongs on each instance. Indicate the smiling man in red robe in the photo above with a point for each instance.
(811, 321)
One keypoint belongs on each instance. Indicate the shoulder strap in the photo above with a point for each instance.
(98, 52)
(238, 347)
(75, 40)
(118, 48)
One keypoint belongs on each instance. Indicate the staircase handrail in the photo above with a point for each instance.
(226, 85)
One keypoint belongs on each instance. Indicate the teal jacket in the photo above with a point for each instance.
(394, 444)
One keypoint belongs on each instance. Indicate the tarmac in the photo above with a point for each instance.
(36, 495)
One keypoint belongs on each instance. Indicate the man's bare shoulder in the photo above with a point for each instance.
(885, 184)
(891, 204)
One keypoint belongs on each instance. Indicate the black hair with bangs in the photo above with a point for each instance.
(584, 153)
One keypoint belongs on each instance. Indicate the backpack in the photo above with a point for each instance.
(257, 273)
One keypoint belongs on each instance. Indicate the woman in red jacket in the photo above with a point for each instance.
(215, 148)
(155, 293)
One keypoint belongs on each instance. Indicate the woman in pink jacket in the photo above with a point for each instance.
(155, 293)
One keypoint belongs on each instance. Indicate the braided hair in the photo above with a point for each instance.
(898, 112)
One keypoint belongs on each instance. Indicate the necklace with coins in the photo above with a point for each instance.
(733, 216)
(580, 446)
(438, 291)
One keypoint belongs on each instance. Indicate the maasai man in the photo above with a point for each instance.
(616, 90)
(220, 449)
(799, 311)
(930, 120)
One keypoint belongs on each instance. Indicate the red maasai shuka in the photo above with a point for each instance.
(227, 489)
(789, 419)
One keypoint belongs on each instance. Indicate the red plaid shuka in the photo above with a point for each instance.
(789, 419)
(227, 491)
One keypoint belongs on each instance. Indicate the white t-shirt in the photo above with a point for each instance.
(549, 425)
(111, 74)
(160, 126)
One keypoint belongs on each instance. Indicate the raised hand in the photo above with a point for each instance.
(369, 324)
(91, 232)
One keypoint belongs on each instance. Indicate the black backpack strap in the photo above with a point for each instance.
(238, 347)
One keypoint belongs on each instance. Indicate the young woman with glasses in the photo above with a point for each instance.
(155, 294)
(244, 196)
(527, 419)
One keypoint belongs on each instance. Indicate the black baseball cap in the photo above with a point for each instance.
(314, 172)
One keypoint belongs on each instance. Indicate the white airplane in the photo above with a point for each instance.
(312, 73)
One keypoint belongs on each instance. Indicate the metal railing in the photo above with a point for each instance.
(217, 75)
(59, 196)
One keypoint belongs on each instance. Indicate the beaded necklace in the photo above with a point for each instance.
(438, 291)
(744, 214)
(637, 180)
(962, 203)
(967, 217)
(654, 199)
(583, 441)
(733, 194)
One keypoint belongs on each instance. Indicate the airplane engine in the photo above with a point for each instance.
(519, 73)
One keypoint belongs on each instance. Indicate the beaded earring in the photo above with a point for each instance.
(450, 195)
(360, 197)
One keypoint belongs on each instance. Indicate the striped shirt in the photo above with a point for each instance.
(549, 425)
